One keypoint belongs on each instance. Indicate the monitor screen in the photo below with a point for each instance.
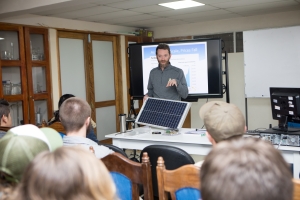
(285, 103)
(200, 60)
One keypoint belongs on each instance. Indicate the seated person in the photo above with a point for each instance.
(247, 169)
(67, 173)
(90, 132)
(5, 120)
(223, 121)
(75, 116)
(17, 148)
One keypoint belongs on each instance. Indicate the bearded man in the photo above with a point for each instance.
(166, 81)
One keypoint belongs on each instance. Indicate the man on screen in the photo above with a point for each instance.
(166, 81)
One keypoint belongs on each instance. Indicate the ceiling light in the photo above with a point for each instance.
(182, 4)
(1, 38)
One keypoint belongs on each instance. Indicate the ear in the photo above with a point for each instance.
(246, 129)
(4, 119)
(87, 121)
(212, 141)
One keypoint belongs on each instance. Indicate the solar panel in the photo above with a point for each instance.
(162, 113)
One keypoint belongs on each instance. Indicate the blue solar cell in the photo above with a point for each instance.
(163, 113)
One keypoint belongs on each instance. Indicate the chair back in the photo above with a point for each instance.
(128, 174)
(56, 126)
(182, 183)
(115, 149)
(296, 195)
(174, 158)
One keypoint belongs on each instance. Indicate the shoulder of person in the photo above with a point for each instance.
(154, 69)
(176, 69)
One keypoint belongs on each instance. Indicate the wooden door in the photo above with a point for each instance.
(93, 62)
(107, 101)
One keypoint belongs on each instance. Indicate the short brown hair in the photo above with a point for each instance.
(163, 46)
(4, 108)
(73, 113)
(245, 168)
(71, 173)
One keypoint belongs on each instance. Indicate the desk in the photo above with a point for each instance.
(191, 143)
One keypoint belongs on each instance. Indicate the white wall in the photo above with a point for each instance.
(54, 22)
(282, 19)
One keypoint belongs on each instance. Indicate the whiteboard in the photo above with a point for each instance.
(271, 59)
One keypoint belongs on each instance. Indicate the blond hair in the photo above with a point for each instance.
(247, 169)
(71, 173)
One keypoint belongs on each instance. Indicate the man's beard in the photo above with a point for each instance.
(164, 64)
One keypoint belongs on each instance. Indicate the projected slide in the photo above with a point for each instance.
(190, 57)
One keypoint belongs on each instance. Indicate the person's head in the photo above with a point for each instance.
(63, 98)
(222, 121)
(6, 120)
(163, 54)
(245, 168)
(67, 173)
(20, 145)
(74, 114)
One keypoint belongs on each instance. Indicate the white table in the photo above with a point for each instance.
(192, 143)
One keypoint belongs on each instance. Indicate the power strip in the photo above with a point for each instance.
(282, 139)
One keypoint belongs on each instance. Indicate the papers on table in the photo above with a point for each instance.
(197, 132)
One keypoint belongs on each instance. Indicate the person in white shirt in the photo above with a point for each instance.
(223, 121)
(75, 116)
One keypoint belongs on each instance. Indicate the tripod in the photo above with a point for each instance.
(131, 120)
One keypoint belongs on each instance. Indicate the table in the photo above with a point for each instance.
(192, 143)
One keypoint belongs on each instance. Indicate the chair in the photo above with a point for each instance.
(56, 126)
(128, 174)
(296, 195)
(182, 183)
(115, 149)
(174, 158)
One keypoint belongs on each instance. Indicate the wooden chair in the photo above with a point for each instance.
(134, 174)
(182, 183)
(174, 158)
(296, 195)
(56, 126)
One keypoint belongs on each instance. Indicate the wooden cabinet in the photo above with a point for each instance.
(25, 73)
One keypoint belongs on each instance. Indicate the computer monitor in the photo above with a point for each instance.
(285, 103)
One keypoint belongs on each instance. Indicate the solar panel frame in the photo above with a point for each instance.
(163, 113)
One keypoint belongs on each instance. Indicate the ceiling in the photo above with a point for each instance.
(148, 14)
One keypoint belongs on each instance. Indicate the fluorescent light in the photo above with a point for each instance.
(1, 38)
(182, 4)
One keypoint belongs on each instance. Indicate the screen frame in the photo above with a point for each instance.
(214, 69)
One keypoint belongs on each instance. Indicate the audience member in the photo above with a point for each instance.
(90, 132)
(75, 116)
(222, 121)
(247, 169)
(18, 147)
(67, 173)
(5, 116)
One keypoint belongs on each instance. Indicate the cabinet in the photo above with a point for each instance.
(25, 73)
